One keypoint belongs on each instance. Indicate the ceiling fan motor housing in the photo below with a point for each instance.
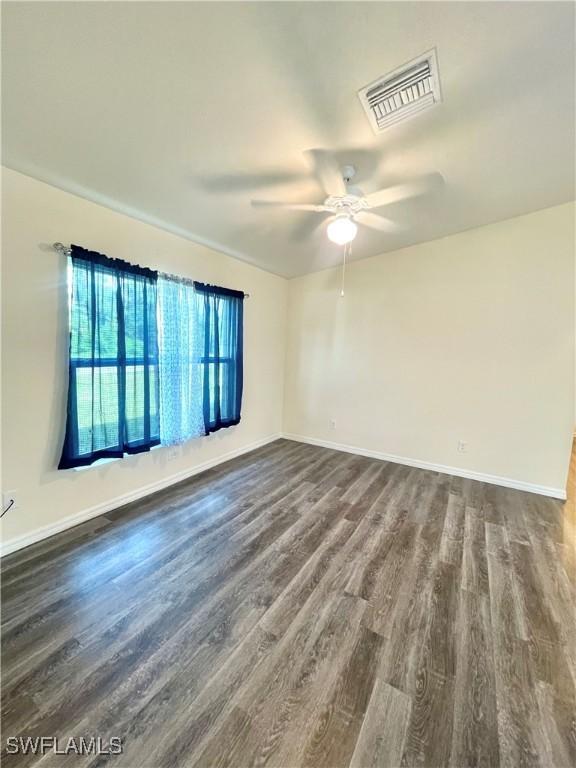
(346, 204)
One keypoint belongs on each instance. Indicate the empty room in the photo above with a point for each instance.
(288, 384)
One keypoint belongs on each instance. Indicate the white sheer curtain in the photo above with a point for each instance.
(180, 350)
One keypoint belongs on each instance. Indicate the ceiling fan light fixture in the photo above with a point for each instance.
(342, 230)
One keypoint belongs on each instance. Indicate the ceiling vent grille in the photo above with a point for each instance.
(403, 93)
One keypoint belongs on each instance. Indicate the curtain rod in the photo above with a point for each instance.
(61, 248)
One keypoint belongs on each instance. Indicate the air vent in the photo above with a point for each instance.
(401, 94)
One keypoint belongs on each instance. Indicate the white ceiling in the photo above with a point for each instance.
(168, 110)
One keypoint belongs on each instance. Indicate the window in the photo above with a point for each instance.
(113, 398)
(153, 360)
(220, 315)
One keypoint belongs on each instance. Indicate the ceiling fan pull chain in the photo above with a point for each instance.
(347, 251)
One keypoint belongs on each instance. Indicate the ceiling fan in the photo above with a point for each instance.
(347, 205)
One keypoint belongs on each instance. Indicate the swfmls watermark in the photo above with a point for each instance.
(73, 745)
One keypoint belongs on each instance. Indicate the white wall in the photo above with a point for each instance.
(34, 367)
(466, 338)
(470, 337)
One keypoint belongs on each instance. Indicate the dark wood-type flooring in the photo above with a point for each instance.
(301, 607)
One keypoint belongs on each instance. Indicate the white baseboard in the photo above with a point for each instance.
(19, 542)
(507, 482)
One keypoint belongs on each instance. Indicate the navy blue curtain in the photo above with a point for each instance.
(220, 314)
(113, 391)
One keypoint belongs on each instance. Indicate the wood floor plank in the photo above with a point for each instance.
(439, 647)
(475, 729)
(519, 730)
(537, 615)
(381, 740)
(282, 697)
(404, 619)
(284, 609)
(474, 564)
(555, 586)
(300, 606)
(559, 725)
(334, 732)
(453, 532)
(429, 731)
(516, 521)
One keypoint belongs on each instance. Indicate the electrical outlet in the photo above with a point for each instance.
(462, 446)
(332, 423)
(9, 501)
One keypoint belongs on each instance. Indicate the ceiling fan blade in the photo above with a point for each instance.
(288, 206)
(374, 221)
(327, 171)
(414, 188)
